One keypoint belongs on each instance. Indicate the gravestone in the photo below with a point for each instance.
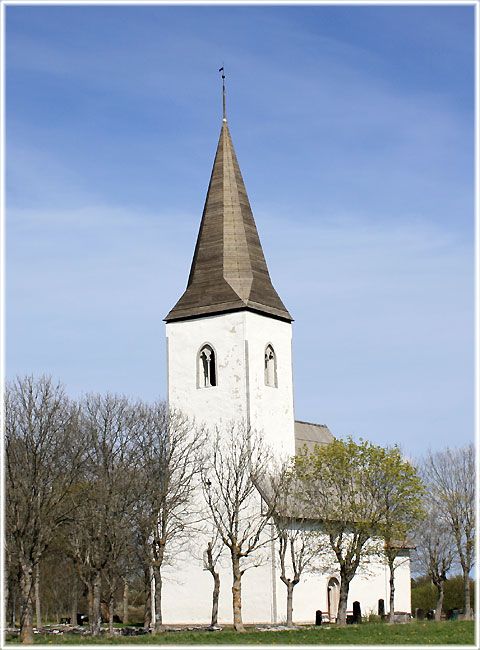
(357, 612)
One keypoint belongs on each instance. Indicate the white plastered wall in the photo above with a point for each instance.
(239, 340)
(369, 585)
(187, 589)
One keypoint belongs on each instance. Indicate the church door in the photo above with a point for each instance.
(333, 596)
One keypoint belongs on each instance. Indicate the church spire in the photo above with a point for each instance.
(228, 271)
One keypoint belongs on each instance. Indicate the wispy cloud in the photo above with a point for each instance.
(380, 310)
(383, 337)
(354, 132)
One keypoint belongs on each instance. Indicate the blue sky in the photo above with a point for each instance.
(353, 127)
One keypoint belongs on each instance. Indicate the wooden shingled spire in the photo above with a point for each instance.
(228, 271)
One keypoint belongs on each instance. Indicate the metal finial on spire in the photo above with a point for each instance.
(222, 70)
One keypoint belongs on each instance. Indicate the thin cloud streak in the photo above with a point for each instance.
(353, 128)
(372, 305)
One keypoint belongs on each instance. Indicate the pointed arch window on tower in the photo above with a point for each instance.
(207, 371)
(270, 367)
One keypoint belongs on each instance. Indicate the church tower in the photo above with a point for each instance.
(229, 337)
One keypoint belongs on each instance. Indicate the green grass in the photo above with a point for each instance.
(415, 633)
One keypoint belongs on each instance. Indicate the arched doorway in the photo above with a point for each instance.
(333, 596)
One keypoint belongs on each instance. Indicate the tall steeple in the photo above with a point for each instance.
(228, 271)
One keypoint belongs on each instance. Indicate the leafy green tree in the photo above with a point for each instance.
(360, 493)
(425, 595)
(334, 483)
(454, 591)
(398, 489)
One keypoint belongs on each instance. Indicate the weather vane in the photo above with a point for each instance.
(222, 70)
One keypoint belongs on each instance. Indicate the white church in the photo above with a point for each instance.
(229, 357)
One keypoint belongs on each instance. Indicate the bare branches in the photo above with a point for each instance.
(169, 450)
(211, 556)
(435, 552)
(299, 539)
(236, 471)
(450, 475)
(103, 497)
(43, 456)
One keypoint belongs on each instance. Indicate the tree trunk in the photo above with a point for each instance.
(158, 622)
(466, 583)
(237, 594)
(73, 611)
(6, 590)
(438, 609)
(88, 590)
(215, 596)
(111, 607)
(391, 613)
(342, 603)
(13, 604)
(38, 611)
(90, 605)
(26, 612)
(147, 612)
(125, 601)
(96, 613)
(290, 587)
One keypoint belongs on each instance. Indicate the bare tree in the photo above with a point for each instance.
(43, 454)
(104, 499)
(299, 541)
(56, 573)
(12, 581)
(120, 539)
(298, 545)
(211, 556)
(38, 609)
(435, 552)
(451, 480)
(168, 445)
(236, 466)
(125, 600)
(73, 598)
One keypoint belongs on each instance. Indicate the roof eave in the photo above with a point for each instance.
(217, 310)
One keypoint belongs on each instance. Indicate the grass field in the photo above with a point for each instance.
(415, 633)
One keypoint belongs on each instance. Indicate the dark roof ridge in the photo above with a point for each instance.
(315, 424)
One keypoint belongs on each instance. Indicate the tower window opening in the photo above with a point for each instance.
(207, 375)
(270, 367)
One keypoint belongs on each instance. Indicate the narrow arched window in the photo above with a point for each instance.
(270, 367)
(207, 372)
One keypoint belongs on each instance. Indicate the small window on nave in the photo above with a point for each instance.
(270, 367)
(207, 372)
